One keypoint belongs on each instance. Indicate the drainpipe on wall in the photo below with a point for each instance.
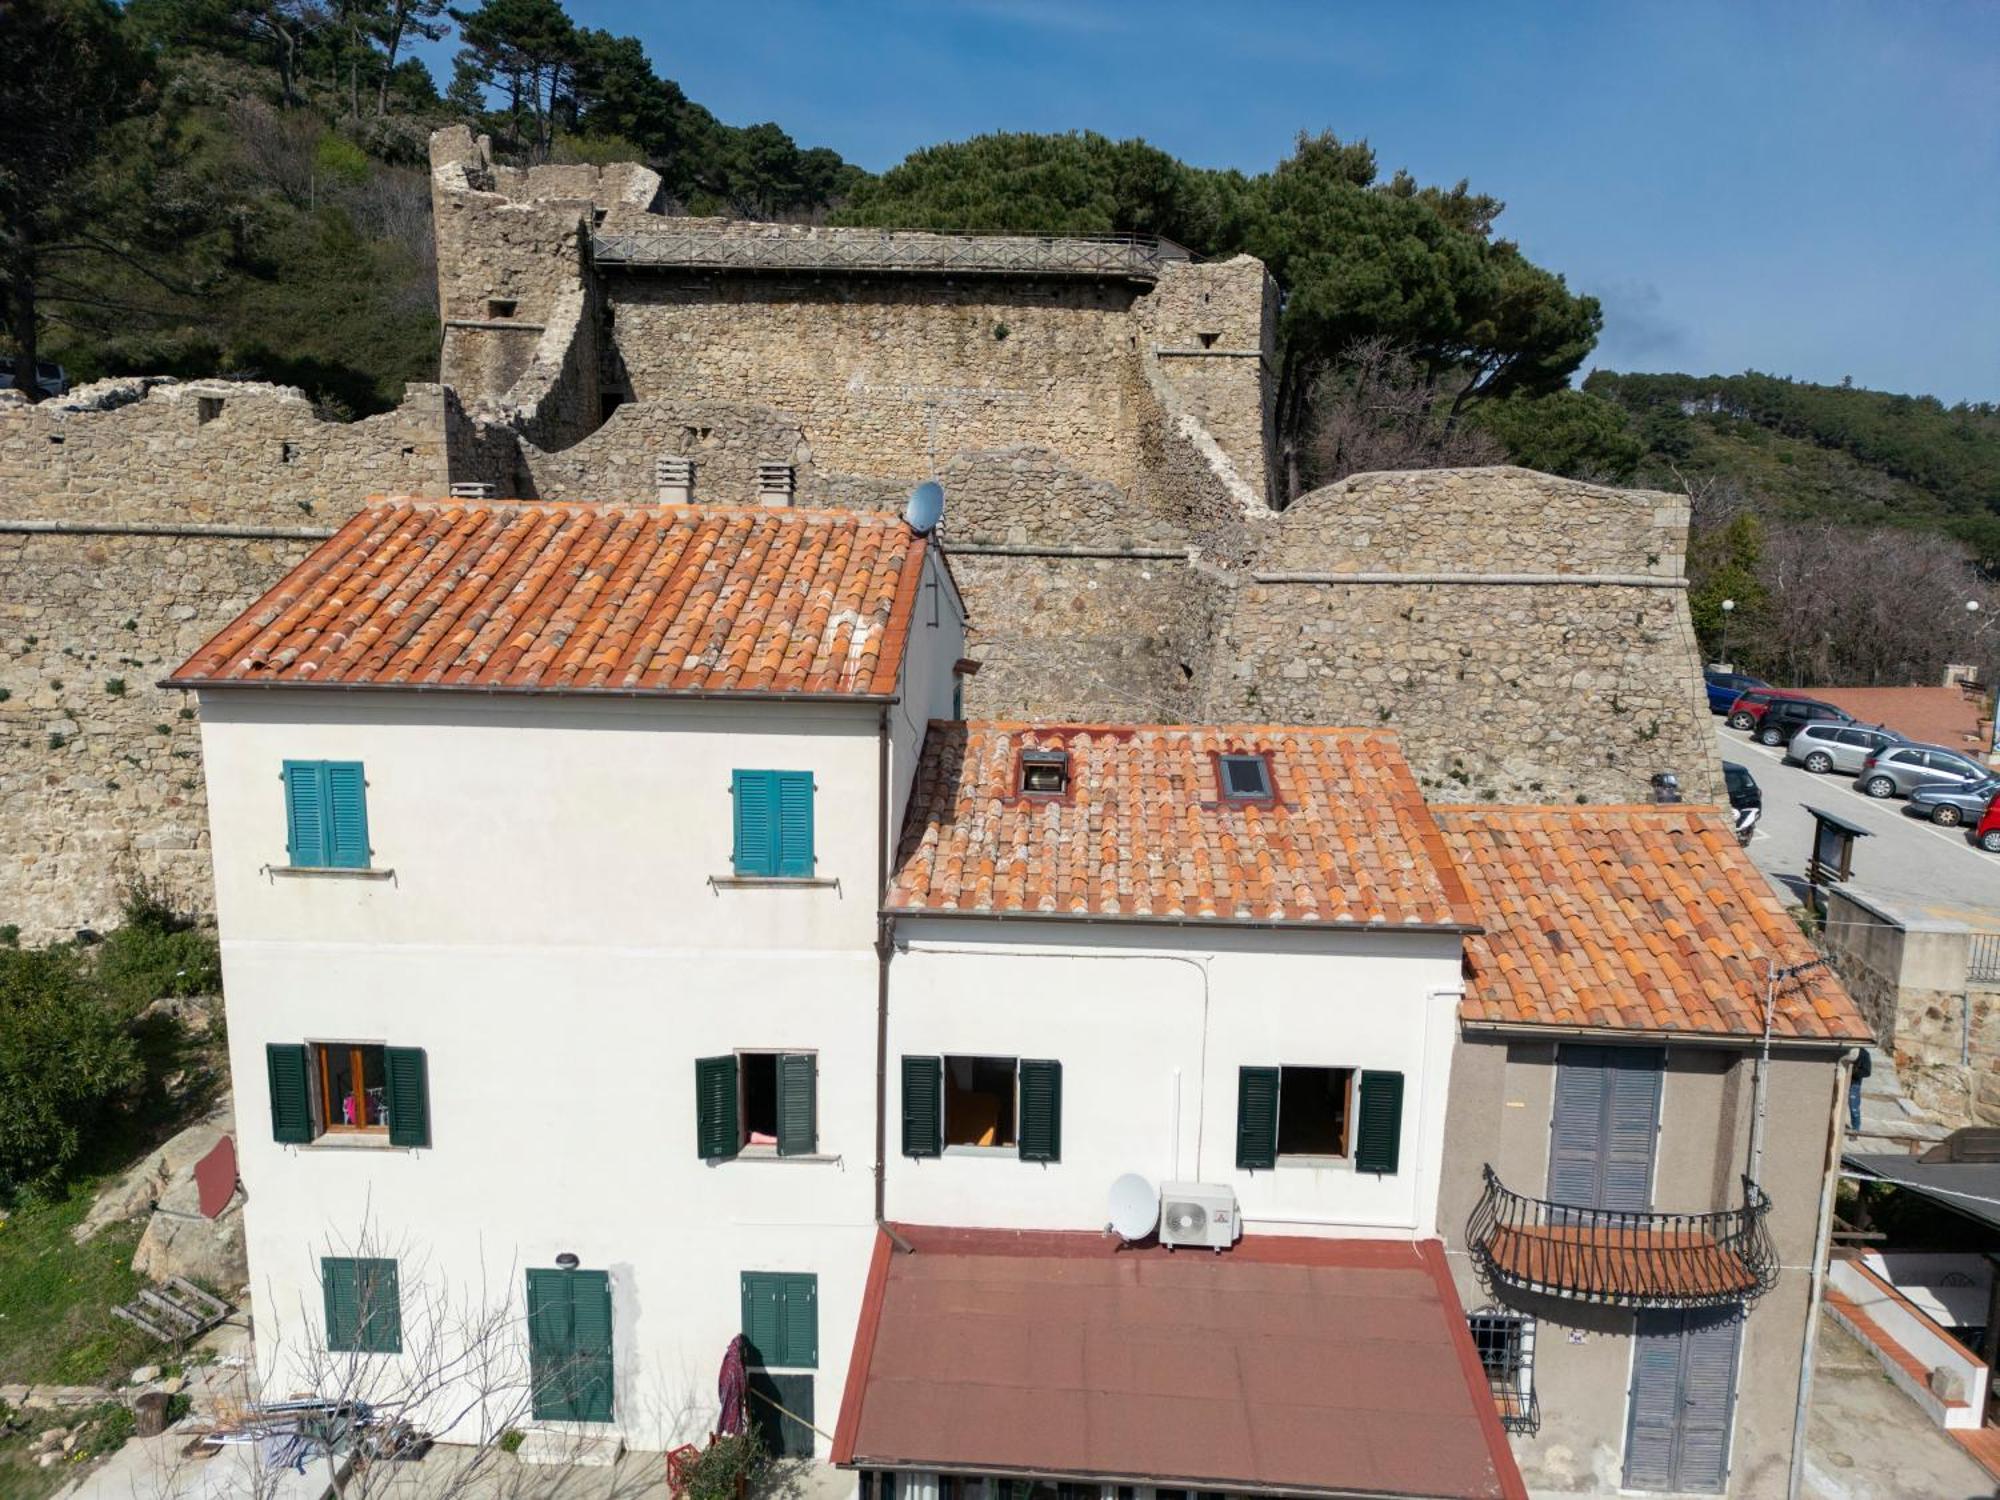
(1822, 1239)
(884, 946)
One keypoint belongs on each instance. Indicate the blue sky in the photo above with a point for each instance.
(1806, 189)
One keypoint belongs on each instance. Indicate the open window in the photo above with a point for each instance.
(353, 1091)
(757, 1103)
(1311, 1114)
(1044, 773)
(353, 1086)
(979, 1101)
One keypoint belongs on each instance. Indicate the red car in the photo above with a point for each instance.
(1749, 707)
(1987, 834)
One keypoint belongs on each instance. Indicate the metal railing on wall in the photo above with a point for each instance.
(1982, 959)
(1132, 257)
(1622, 1259)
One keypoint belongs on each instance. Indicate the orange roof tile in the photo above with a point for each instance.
(1631, 919)
(552, 597)
(1145, 832)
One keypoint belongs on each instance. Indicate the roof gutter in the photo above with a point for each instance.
(1094, 919)
(1733, 1039)
(732, 695)
(1169, 1481)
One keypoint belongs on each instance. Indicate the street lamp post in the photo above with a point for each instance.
(1728, 609)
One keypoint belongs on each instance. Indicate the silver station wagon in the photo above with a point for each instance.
(1827, 747)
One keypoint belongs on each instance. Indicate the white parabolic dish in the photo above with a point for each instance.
(1135, 1207)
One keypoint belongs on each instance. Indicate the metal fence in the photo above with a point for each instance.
(1623, 1259)
(1130, 257)
(1982, 960)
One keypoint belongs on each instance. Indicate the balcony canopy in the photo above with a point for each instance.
(1619, 1259)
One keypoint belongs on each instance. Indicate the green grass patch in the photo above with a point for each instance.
(56, 1297)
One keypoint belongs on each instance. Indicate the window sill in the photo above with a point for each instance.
(770, 1154)
(758, 882)
(1317, 1163)
(1007, 1151)
(326, 872)
(353, 1140)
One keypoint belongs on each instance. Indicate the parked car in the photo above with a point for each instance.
(1987, 834)
(1749, 707)
(1829, 745)
(1746, 798)
(1788, 716)
(49, 375)
(1724, 688)
(1948, 803)
(1901, 769)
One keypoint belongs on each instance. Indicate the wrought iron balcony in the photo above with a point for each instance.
(680, 245)
(1623, 1259)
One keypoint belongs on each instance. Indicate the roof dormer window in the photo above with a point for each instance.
(1245, 778)
(1044, 773)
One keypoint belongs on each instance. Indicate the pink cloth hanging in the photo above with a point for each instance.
(731, 1386)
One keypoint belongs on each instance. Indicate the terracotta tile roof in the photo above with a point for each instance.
(1289, 1366)
(1144, 832)
(1631, 919)
(533, 596)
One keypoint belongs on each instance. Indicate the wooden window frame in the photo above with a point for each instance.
(1348, 1125)
(320, 1071)
(998, 1148)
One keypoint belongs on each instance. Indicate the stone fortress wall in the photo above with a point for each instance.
(1103, 433)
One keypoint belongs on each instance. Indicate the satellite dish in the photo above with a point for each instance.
(926, 508)
(1135, 1207)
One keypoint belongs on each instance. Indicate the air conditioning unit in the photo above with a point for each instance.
(1198, 1213)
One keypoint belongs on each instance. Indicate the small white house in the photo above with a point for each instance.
(548, 846)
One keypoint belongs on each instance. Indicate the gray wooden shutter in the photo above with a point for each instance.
(1653, 1403)
(1602, 1134)
(1041, 1110)
(923, 1106)
(1708, 1398)
(407, 1082)
(797, 1097)
(716, 1130)
(1256, 1118)
(1379, 1140)
(291, 1098)
(1632, 1120)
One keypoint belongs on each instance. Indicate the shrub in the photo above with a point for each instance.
(115, 686)
(65, 1060)
(157, 951)
(111, 1424)
(510, 1440)
(726, 1465)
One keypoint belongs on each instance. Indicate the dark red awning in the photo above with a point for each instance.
(1302, 1365)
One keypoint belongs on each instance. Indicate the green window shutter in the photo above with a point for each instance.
(346, 815)
(590, 1293)
(1378, 1144)
(381, 1307)
(923, 1106)
(1041, 1110)
(1256, 1118)
(406, 1077)
(756, 795)
(771, 1397)
(291, 1098)
(781, 1318)
(717, 1134)
(797, 1099)
(305, 814)
(551, 1337)
(339, 1281)
(795, 822)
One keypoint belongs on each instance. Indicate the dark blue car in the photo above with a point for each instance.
(1724, 686)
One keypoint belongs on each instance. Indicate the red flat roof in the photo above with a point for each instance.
(1302, 1365)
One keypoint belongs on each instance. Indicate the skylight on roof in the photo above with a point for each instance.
(1246, 778)
(1044, 773)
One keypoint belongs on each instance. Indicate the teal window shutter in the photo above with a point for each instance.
(1041, 1110)
(305, 814)
(291, 1098)
(781, 1318)
(1378, 1144)
(756, 822)
(923, 1106)
(364, 1307)
(347, 815)
(1256, 1118)
(795, 823)
(407, 1081)
(326, 814)
(797, 1104)
(718, 1135)
(591, 1297)
(780, 1412)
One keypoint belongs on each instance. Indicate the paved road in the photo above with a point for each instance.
(1906, 860)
